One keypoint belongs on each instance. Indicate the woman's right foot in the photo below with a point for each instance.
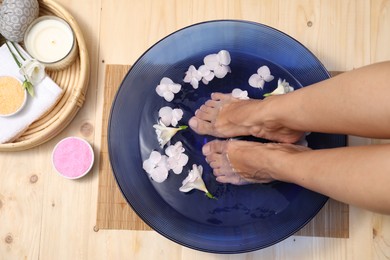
(224, 116)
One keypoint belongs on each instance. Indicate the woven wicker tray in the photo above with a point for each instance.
(74, 82)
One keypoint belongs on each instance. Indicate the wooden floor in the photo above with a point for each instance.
(43, 216)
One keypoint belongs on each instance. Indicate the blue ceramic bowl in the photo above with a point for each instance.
(244, 218)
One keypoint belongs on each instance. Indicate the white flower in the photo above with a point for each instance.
(177, 159)
(156, 166)
(240, 94)
(207, 74)
(167, 89)
(33, 70)
(193, 76)
(218, 63)
(194, 181)
(169, 116)
(263, 75)
(164, 133)
(283, 88)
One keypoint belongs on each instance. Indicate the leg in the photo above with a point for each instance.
(355, 102)
(354, 175)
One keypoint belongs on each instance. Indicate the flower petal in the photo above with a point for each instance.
(168, 96)
(166, 80)
(268, 78)
(240, 94)
(159, 174)
(165, 114)
(155, 157)
(263, 71)
(161, 89)
(150, 163)
(255, 81)
(193, 180)
(224, 57)
(175, 88)
(210, 76)
(177, 115)
(148, 166)
(211, 61)
(183, 159)
(194, 83)
(33, 70)
(204, 70)
(187, 78)
(220, 71)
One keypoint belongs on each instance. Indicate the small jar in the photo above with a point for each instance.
(73, 157)
(13, 96)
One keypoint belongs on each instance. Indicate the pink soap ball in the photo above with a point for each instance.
(73, 157)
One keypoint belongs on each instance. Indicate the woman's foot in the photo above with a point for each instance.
(242, 162)
(215, 117)
(224, 116)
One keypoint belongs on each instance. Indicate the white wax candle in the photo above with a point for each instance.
(49, 39)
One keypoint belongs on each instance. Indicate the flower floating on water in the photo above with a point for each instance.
(283, 88)
(32, 71)
(207, 74)
(169, 116)
(194, 181)
(263, 75)
(177, 159)
(193, 76)
(167, 89)
(156, 166)
(218, 63)
(165, 133)
(240, 94)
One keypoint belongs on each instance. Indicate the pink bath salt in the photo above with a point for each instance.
(73, 157)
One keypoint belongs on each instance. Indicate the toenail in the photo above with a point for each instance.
(206, 149)
(193, 123)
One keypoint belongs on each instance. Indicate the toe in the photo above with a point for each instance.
(200, 126)
(217, 96)
(204, 115)
(212, 103)
(215, 164)
(214, 146)
(218, 172)
(223, 179)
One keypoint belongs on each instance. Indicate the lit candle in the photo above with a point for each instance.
(50, 40)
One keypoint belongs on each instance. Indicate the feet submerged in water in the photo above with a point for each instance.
(243, 162)
(224, 116)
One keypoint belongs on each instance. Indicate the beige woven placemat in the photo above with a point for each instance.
(113, 212)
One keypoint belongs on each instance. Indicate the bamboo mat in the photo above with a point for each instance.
(113, 212)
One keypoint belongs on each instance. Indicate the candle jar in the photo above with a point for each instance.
(51, 41)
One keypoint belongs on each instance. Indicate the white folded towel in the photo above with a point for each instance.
(46, 95)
